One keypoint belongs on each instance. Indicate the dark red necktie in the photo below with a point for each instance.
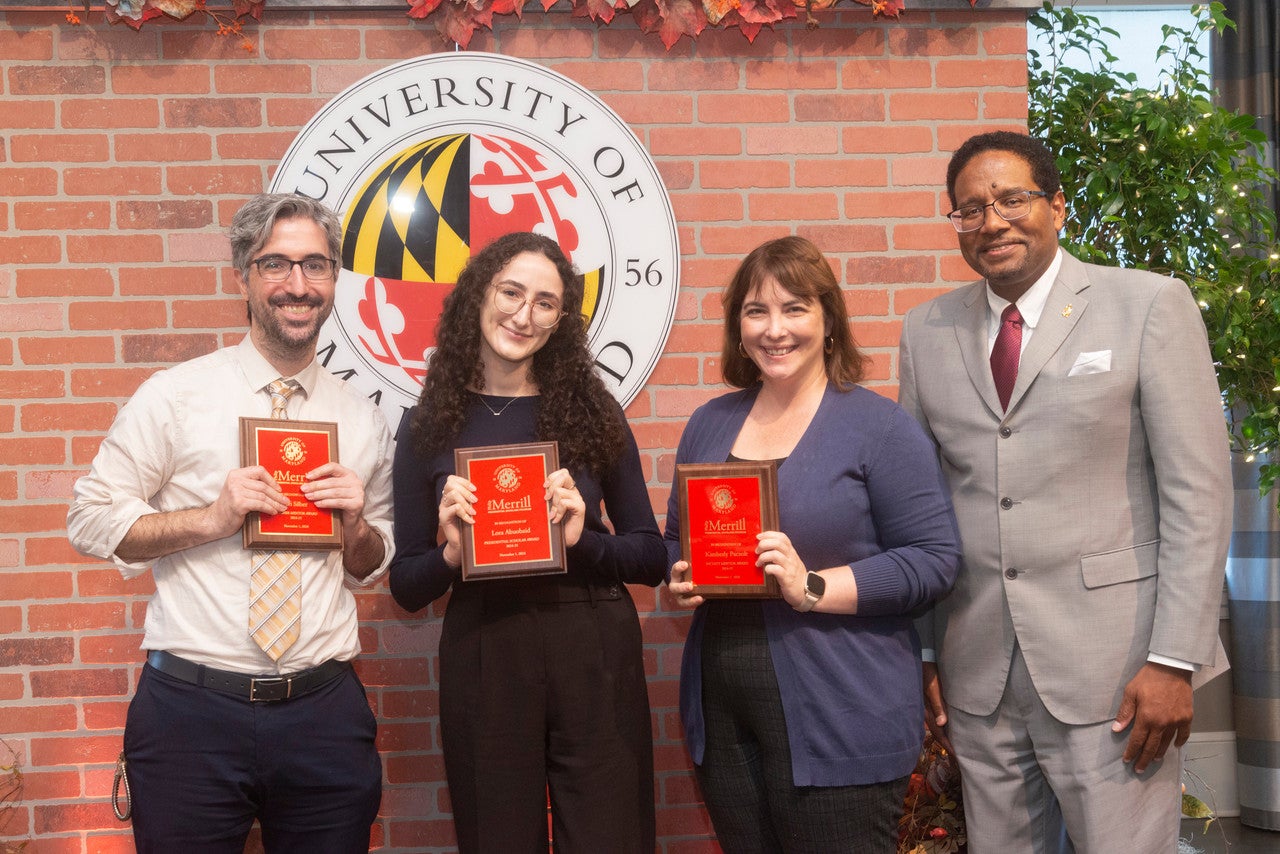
(1004, 355)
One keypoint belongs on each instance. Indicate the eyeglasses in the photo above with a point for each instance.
(1008, 208)
(277, 268)
(543, 312)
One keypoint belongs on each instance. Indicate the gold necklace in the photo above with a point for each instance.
(496, 411)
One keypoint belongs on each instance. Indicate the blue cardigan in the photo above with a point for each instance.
(862, 488)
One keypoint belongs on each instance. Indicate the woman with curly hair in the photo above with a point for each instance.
(542, 683)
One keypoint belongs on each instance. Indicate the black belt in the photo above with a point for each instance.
(256, 689)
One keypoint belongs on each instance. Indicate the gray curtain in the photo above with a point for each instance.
(1246, 70)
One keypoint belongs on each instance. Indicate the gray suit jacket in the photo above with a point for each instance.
(1095, 513)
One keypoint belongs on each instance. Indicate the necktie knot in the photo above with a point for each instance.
(281, 390)
(1010, 315)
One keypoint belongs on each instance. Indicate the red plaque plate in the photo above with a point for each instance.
(512, 535)
(723, 506)
(288, 450)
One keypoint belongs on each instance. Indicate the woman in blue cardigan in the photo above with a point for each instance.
(804, 714)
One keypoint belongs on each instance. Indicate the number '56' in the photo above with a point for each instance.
(652, 276)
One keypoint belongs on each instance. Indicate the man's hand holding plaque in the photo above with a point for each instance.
(724, 507)
(301, 458)
(510, 511)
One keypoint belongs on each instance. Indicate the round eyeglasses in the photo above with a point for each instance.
(544, 313)
(1008, 208)
(277, 268)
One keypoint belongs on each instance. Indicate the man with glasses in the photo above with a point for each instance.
(248, 706)
(1079, 425)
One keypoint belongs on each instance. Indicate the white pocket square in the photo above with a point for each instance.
(1096, 362)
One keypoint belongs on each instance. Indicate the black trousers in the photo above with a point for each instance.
(745, 773)
(202, 765)
(546, 695)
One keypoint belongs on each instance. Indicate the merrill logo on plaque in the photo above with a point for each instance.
(513, 534)
(288, 450)
(723, 506)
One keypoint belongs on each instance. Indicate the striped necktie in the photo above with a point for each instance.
(275, 588)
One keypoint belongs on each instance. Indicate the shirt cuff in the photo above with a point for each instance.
(1172, 662)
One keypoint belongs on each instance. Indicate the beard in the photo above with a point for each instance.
(275, 329)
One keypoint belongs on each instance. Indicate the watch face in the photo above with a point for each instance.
(815, 584)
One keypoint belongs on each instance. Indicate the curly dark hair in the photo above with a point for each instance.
(1044, 170)
(799, 267)
(576, 409)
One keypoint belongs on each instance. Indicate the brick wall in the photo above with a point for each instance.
(123, 156)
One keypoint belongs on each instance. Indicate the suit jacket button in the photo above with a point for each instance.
(1011, 573)
(1005, 432)
(1006, 503)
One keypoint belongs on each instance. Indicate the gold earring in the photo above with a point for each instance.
(742, 351)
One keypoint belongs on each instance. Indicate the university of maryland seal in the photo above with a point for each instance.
(429, 160)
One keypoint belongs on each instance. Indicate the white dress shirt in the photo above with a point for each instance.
(171, 448)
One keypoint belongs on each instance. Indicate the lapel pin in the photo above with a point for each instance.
(1066, 311)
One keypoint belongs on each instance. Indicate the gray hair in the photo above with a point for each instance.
(252, 225)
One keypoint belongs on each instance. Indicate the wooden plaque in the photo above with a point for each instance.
(723, 506)
(288, 450)
(512, 535)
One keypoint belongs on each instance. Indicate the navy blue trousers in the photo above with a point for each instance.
(202, 765)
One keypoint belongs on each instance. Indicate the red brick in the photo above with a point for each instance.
(33, 451)
(301, 43)
(855, 107)
(35, 652)
(32, 317)
(842, 172)
(954, 269)
(879, 74)
(12, 686)
(978, 73)
(900, 139)
(940, 236)
(737, 174)
(706, 207)
(111, 113)
(744, 108)
(933, 41)
(164, 215)
(163, 147)
(28, 181)
(108, 248)
(54, 147)
(166, 280)
(51, 785)
(108, 715)
(844, 237)
(1011, 41)
(693, 77)
(952, 136)
(738, 240)
(213, 112)
(8, 483)
(933, 106)
(792, 76)
(97, 682)
(30, 249)
(884, 270)
(877, 334)
(28, 44)
(793, 206)
(61, 216)
(900, 204)
(213, 180)
(1004, 105)
(29, 384)
(84, 449)
(61, 818)
(135, 314)
(920, 172)
(112, 181)
(75, 616)
(77, 349)
(167, 79)
(648, 109)
(905, 299)
(167, 348)
(532, 41)
(293, 112)
(47, 417)
(792, 140)
(695, 141)
(27, 115)
(52, 551)
(109, 582)
(208, 314)
(269, 145)
(57, 79)
(107, 382)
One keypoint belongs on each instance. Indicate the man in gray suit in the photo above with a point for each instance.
(1079, 424)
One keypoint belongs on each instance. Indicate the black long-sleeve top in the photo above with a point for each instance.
(633, 553)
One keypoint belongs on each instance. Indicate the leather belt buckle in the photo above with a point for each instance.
(270, 690)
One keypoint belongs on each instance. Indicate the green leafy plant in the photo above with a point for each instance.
(1165, 180)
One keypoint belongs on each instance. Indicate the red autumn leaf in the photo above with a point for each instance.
(670, 19)
(422, 8)
(458, 22)
(506, 7)
(252, 8)
(717, 9)
(597, 10)
(766, 11)
(886, 8)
